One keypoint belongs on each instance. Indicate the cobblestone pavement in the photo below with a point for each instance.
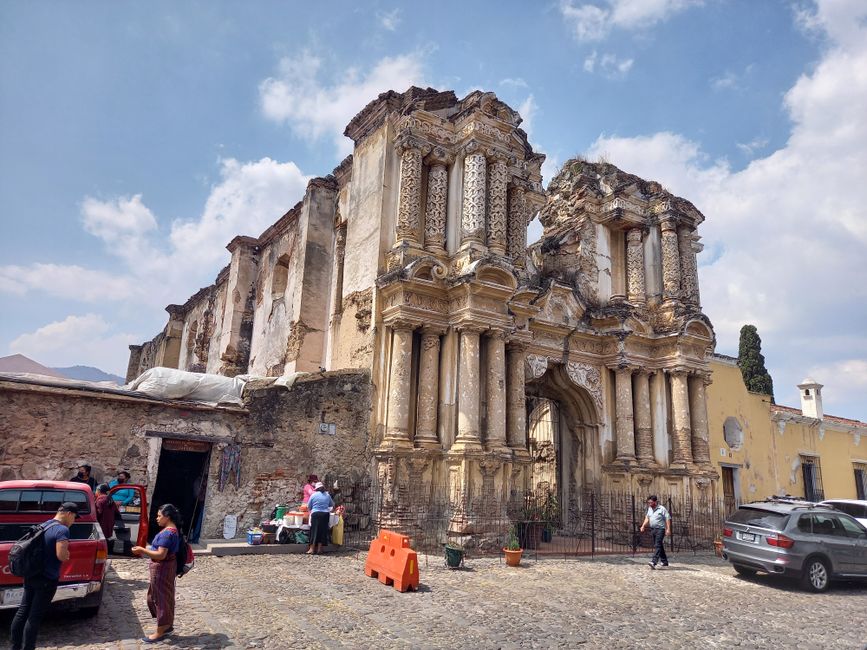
(610, 602)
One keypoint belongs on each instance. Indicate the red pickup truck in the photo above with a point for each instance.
(82, 577)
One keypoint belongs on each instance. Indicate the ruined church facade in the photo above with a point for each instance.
(577, 363)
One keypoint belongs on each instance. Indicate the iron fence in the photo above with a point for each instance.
(483, 521)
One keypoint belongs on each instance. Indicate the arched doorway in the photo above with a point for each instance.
(563, 438)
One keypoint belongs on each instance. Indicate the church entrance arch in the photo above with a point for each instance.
(562, 437)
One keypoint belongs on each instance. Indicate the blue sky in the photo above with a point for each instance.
(137, 138)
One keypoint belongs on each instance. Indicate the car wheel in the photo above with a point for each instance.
(740, 569)
(817, 575)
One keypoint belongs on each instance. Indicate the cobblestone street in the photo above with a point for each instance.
(610, 602)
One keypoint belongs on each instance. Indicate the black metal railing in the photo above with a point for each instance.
(484, 521)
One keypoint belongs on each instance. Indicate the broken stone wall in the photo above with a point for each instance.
(46, 432)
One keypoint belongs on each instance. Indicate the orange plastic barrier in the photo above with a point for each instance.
(392, 561)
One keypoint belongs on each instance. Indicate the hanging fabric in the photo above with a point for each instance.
(231, 462)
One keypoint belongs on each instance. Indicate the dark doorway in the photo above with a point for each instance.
(182, 477)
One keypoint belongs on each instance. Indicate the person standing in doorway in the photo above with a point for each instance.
(659, 522)
(163, 570)
(320, 504)
(84, 476)
(40, 589)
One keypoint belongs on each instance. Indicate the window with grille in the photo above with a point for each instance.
(812, 474)
(861, 480)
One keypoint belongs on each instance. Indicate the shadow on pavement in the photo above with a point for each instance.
(197, 641)
(779, 583)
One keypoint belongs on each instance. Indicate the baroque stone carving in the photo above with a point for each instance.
(517, 229)
(635, 266)
(409, 199)
(435, 214)
(590, 379)
(497, 206)
(536, 366)
(473, 212)
(670, 261)
(688, 267)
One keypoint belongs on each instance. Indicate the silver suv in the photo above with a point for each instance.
(797, 539)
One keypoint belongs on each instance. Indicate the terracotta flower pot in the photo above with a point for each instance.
(513, 558)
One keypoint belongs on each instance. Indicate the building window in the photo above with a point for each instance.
(812, 474)
(861, 480)
(280, 278)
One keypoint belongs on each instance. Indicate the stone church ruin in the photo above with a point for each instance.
(577, 363)
(492, 369)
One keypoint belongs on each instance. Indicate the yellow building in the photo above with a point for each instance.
(763, 449)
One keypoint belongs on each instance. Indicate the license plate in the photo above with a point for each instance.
(748, 537)
(13, 597)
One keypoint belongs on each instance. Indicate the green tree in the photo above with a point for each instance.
(752, 363)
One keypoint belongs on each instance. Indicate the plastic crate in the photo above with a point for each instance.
(254, 539)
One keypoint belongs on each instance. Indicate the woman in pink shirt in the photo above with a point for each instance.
(309, 489)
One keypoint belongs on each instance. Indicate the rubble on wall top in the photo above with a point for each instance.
(583, 187)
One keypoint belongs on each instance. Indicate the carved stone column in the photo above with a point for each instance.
(497, 205)
(397, 423)
(682, 440)
(428, 389)
(517, 229)
(437, 201)
(688, 265)
(670, 261)
(643, 424)
(473, 208)
(496, 386)
(624, 425)
(411, 151)
(469, 394)
(635, 288)
(516, 416)
(698, 416)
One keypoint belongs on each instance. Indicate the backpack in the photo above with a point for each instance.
(185, 558)
(27, 555)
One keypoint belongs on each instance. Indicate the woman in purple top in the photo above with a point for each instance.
(163, 571)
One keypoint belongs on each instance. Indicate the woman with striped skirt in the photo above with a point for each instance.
(163, 571)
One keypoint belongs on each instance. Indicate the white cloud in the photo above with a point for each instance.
(844, 381)
(592, 22)
(609, 65)
(751, 147)
(789, 231)
(513, 82)
(390, 19)
(161, 269)
(77, 340)
(67, 281)
(527, 110)
(313, 109)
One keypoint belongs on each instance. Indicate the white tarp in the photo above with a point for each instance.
(169, 383)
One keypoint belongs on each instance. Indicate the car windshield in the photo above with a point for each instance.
(760, 518)
(41, 500)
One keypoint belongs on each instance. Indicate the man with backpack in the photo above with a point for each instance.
(39, 587)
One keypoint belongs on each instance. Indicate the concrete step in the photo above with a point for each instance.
(239, 546)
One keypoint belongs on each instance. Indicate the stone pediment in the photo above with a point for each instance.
(560, 306)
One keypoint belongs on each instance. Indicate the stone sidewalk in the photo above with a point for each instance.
(607, 602)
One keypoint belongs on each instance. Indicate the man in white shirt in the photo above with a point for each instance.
(659, 521)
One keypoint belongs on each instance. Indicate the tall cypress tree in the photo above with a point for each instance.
(752, 363)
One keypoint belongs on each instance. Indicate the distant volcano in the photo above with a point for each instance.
(20, 363)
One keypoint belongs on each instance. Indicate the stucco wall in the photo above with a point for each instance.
(768, 461)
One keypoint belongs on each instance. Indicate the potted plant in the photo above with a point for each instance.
(513, 549)
(454, 555)
(718, 545)
(550, 515)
